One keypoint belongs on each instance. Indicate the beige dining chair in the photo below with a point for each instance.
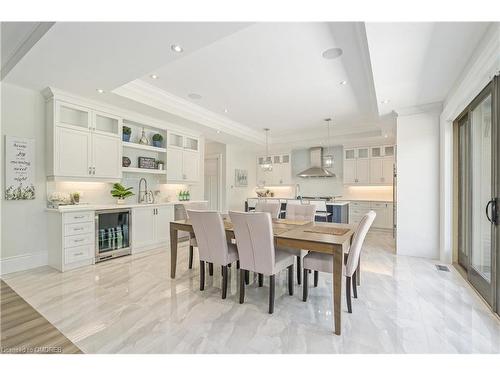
(212, 243)
(273, 207)
(257, 253)
(302, 212)
(251, 203)
(324, 262)
(321, 209)
(200, 206)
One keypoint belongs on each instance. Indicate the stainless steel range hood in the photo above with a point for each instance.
(316, 169)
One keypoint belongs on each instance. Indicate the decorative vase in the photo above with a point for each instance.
(125, 137)
(126, 161)
(144, 140)
(157, 143)
(120, 201)
(160, 167)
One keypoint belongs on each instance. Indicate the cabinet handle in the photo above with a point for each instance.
(80, 240)
(80, 228)
(80, 253)
(78, 217)
(90, 170)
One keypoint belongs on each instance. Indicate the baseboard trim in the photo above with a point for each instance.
(23, 262)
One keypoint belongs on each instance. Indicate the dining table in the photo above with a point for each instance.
(327, 238)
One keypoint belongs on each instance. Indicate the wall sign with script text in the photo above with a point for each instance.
(19, 168)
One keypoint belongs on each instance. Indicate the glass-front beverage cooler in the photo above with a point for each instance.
(113, 233)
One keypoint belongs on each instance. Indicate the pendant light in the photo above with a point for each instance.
(267, 165)
(328, 159)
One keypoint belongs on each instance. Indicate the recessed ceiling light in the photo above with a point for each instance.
(218, 131)
(225, 110)
(385, 101)
(154, 76)
(332, 53)
(343, 82)
(100, 91)
(385, 135)
(176, 48)
(194, 96)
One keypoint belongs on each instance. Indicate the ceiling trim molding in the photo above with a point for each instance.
(422, 108)
(152, 96)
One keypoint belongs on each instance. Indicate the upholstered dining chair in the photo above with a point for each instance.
(272, 207)
(324, 262)
(200, 206)
(213, 246)
(321, 209)
(257, 253)
(303, 212)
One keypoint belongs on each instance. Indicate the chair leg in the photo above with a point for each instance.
(261, 279)
(190, 257)
(358, 273)
(348, 293)
(290, 280)
(305, 291)
(211, 269)
(354, 286)
(237, 264)
(316, 277)
(299, 270)
(242, 285)
(224, 282)
(247, 277)
(202, 275)
(271, 294)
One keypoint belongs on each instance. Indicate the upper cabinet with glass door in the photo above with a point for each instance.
(73, 116)
(107, 124)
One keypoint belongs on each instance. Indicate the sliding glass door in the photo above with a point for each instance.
(478, 190)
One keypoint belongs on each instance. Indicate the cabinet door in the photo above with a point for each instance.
(362, 171)
(72, 153)
(174, 164)
(376, 171)
(276, 177)
(106, 156)
(164, 215)
(349, 171)
(349, 154)
(190, 161)
(362, 153)
(286, 171)
(260, 175)
(143, 227)
(73, 116)
(107, 124)
(376, 152)
(381, 218)
(387, 171)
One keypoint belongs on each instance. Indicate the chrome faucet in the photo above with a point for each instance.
(297, 191)
(143, 195)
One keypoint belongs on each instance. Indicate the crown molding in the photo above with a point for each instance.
(152, 96)
(436, 107)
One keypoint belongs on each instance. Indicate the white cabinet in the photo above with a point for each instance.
(356, 166)
(381, 170)
(190, 162)
(174, 164)
(106, 156)
(369, 165)
(281, 173)
(72, 152)
(151, 226)
(182, 165)
(384, 211)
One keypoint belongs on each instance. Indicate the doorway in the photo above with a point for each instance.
(478, 178)
(213, 182)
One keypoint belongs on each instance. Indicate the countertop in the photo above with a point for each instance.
(95, 207)
(335, 203)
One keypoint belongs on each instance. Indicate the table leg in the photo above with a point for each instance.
(337, 289)
(173, 251)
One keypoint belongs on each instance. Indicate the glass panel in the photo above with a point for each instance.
(72, 116)
(362, 153)
(463, 248)
(376, 152)
(191, 144)
(389, 150)
(481, 187)
(175, 140)
(285, 159)
(113, 231)
(276, 159)
(106, 124)
(349, 154)
(261, 160)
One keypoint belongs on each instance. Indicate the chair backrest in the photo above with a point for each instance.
(320, 205)
(304, 212)
(252, 202)
(357, 243)
(210, 236)
(197, 206)
(272, 207)
(254, 238)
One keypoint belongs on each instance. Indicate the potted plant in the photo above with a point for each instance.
(75, 197)
(120, 192)
(157, 140)
(159, 164)
(126, 131)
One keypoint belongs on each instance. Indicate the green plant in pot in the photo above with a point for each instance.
(126, 132)
(157, 140)
(120, 192)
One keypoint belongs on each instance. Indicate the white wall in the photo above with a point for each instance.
(238, 158)
(24, 222)
(418, 184)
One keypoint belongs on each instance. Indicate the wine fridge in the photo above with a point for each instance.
(113, 232)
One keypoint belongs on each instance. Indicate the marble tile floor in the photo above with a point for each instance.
(130, 305)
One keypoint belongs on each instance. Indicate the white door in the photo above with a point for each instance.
(376, 171)
(349, 171)
(164, 215)
(387, 171)
(143, 227)
(190, 161)
(106, 156)
(72, 153)
(174, 164)
(212, 183)
(362, 171)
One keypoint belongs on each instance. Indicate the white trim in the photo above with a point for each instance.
(219, 158)
(23, 262)
(422, 108)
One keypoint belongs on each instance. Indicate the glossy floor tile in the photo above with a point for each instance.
(130, 305)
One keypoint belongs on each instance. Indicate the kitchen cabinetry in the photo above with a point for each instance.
(369, 165)
(384, 218)
(183, 158)
(280, 175)
(356, 166)
(381, 170)
(151, 226)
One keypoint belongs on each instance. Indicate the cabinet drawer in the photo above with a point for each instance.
(355, 204)
(379, 205)
(79, 240)
(78, 228)
(78, 253)
(78, 217)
